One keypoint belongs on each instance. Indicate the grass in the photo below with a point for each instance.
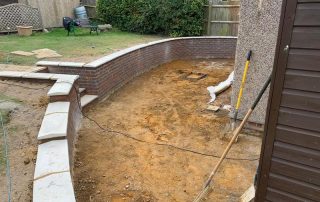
(5, 113)
(2, 157)
(82, 47)
(7, 98)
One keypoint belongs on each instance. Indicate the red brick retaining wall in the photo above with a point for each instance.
(103, 76)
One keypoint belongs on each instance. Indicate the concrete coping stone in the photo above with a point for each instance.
(12, 74)
(65, 77)
(53, 126)
(71, 64)
(60, 64)
(56, 187)
(57, 107)
(105, 59)
(117, 54)
(61, 87)
(34, 75)
(52, 157)
(47, 63)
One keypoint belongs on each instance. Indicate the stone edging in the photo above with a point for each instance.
(57, 135)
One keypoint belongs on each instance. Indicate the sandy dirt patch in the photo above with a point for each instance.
(19, 68)
(27, 106)
(162, 107)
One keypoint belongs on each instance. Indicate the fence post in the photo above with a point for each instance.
(209, 18)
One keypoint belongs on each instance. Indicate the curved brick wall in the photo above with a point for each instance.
(107, 74)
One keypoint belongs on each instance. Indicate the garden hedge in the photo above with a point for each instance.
(169, 17)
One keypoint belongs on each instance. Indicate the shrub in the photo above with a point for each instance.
(169, 17)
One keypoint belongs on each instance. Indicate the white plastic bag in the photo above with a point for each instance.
(215, 90)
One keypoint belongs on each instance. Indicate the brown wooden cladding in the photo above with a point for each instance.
(290, 164)
(306, 37)
(289, 185)
(299, 119)
(302, 80)
(299, 137)
(302, 100)
(280, 196)
(297, 171)
(297, 154)
(294, 131)
(308, 15)
(309, 1)
(304, 59)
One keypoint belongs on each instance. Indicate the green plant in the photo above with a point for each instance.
(5, 113)
(170, 17)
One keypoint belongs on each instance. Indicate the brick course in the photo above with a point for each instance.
(111, 75)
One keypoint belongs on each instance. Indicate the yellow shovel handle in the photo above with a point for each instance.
(244, 77)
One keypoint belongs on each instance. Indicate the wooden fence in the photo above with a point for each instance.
(222, 17)
(14, 15)
(52, 11)
(89, 2)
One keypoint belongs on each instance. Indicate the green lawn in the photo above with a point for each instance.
(82, 47)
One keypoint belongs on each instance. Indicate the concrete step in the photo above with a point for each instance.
(87, 99)
(81, 90)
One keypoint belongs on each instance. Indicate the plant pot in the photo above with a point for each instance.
(24, 30)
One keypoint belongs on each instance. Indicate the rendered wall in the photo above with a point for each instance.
(258, 32)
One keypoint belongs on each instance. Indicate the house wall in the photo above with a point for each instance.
(258, 32)
(52, 12)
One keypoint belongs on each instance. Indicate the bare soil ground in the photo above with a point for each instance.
(27, 107)
(10, 67)
(163, 108)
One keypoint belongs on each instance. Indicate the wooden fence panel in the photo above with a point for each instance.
(223, 18)
(14, 15)
(52, 11)
(89, 2)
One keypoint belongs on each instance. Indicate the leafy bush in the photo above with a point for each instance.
(170, 17)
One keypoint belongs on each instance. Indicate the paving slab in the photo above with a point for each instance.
(46, 53)
(65, 78)
(54, 188)
(22, 53)
(58, 107)
(81, 90)
(86, 99)
(52, 157)
(53, 126)
(60, 88)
